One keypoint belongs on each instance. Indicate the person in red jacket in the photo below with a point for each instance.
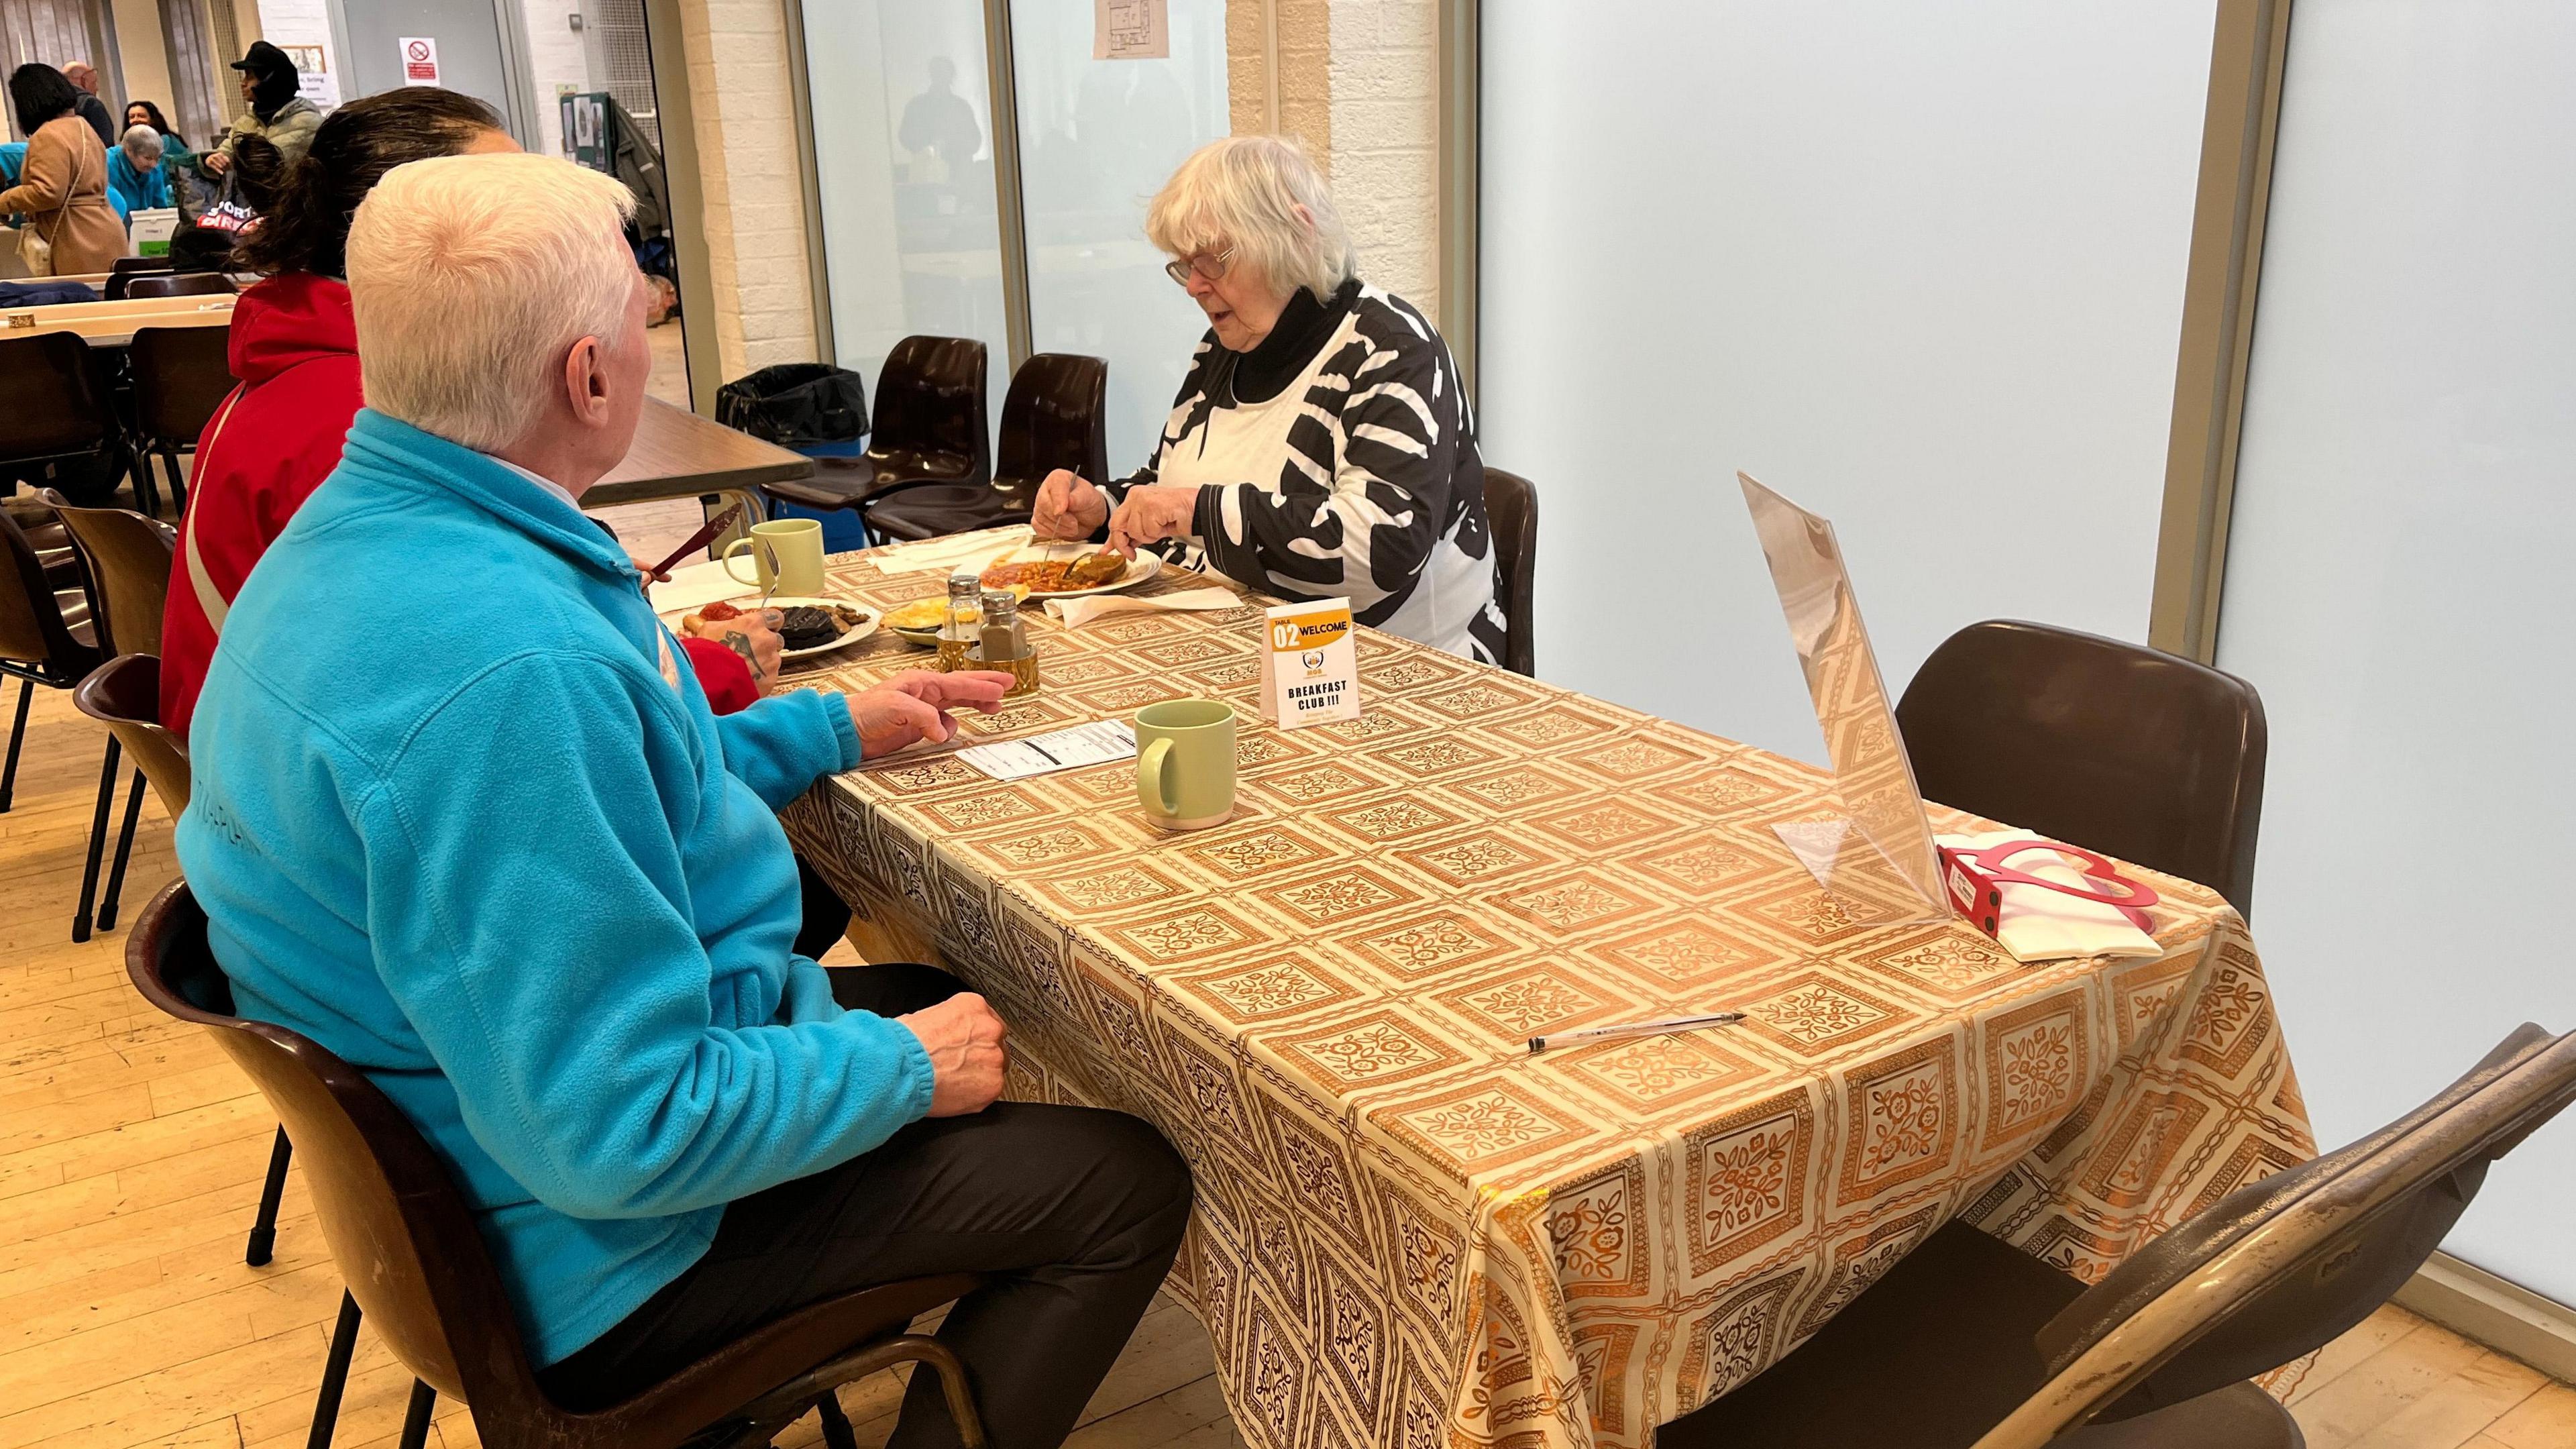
(295, 350)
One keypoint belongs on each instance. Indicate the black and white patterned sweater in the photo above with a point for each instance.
(1338, 459)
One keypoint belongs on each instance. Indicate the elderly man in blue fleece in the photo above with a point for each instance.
(461, 816)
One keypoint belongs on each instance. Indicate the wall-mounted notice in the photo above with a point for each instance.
(420, 60)
(1131, 29)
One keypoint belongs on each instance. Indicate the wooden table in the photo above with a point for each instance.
(113, 324)
(1411, 1231)
(678, 454)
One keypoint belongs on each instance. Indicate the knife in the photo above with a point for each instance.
(697, 540)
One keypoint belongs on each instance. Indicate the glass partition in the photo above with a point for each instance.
(1097, 140)
(903, 161)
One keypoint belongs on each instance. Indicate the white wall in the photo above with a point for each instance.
(2399, 581)
(1918, 266)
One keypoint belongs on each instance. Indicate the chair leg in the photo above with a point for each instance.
(335, 1375)
(124, 848)
(416, 1418)
(178, 482)
(147, 497)
(17, 739)
(960, 1396)
(263, 1229)
(97, 842)
(837, 1433)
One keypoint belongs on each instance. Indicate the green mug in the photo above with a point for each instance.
(1185, 763)
(786, 556)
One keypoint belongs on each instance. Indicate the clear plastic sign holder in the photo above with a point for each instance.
(1875, 848)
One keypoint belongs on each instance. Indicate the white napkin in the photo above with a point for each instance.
(2039, 924)
(1074, 613)
(955, 551)
(698, 585)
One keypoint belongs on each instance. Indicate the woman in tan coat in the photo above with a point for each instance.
(62, 188)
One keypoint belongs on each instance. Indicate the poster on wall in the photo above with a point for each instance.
(419, 60)
(314, 81)
(1131, 29)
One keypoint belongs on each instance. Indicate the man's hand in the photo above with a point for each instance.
(644, 568)
(753, 634)
(914, 706)
(964, 1038)
(1067, 507)
(1151, 514)
(217, 163)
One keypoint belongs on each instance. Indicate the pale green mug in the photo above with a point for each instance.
(786, 556)
(1185, 763)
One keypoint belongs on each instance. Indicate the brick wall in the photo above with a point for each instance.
(740, 99)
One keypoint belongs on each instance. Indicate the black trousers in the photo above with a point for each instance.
(826, 916)
(1074, 1214)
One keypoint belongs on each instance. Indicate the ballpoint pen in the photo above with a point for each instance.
(1539, 1044)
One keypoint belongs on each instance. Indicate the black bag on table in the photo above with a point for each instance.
(796, 404)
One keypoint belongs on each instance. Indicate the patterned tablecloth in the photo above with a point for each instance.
(1412, 1232)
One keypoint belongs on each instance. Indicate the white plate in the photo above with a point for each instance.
(1140, 568)
(865, 627)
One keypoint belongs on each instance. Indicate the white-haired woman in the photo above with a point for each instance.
(1321, 446)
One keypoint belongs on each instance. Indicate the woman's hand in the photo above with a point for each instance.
(1068, 507)
(1152, 513)
(914, 706)
(753, 634)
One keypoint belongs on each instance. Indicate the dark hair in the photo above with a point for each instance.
(305, 208)
(159, 122)
(41, 93)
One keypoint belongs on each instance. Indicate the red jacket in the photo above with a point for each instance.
(271, 443)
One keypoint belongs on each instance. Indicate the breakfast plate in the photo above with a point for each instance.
(853, 621)
(1015, 566)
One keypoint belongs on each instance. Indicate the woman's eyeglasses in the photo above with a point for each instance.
(1210, 267)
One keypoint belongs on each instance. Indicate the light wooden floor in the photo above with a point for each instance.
(130, 1160)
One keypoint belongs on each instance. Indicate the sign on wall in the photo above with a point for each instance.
(1131, 29)
(420, 60)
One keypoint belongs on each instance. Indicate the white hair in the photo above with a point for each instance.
(141, 142)
(471, 276)
(1262, 197)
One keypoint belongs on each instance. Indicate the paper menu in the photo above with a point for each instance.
(1096, 743)
(1310, 664)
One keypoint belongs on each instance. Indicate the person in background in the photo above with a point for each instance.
(93, 110)
(135, 180)
(177, 160)
(278, 115)
(1321, 445)
(62, 183)
(458, 817)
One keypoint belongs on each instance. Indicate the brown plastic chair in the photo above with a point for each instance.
(127, 269)
(124, 266)
(1966, 1342)
(1054, 416)
(45, 633)
(1511, 506)
(418, 1269)
(2130, 751)
(184, 284)
(57, 416)
(181, 375)
(127, 558)
(931, 424)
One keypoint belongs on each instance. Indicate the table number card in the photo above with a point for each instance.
(1310, 666)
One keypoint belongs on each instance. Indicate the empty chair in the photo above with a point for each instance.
(418, 1270)
(45, 638)
(184, 284)
(181, 375)
(1511, 503)
(1054, 416)
(123, 276)
(127, 266)
(127, 557)
(931, 423)
(57, 426)
(1968, 1342)
(2130, 751)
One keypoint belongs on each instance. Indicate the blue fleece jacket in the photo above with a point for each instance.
(461, 815)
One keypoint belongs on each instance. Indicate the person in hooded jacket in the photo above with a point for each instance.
(279, 114)
(294, 346)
